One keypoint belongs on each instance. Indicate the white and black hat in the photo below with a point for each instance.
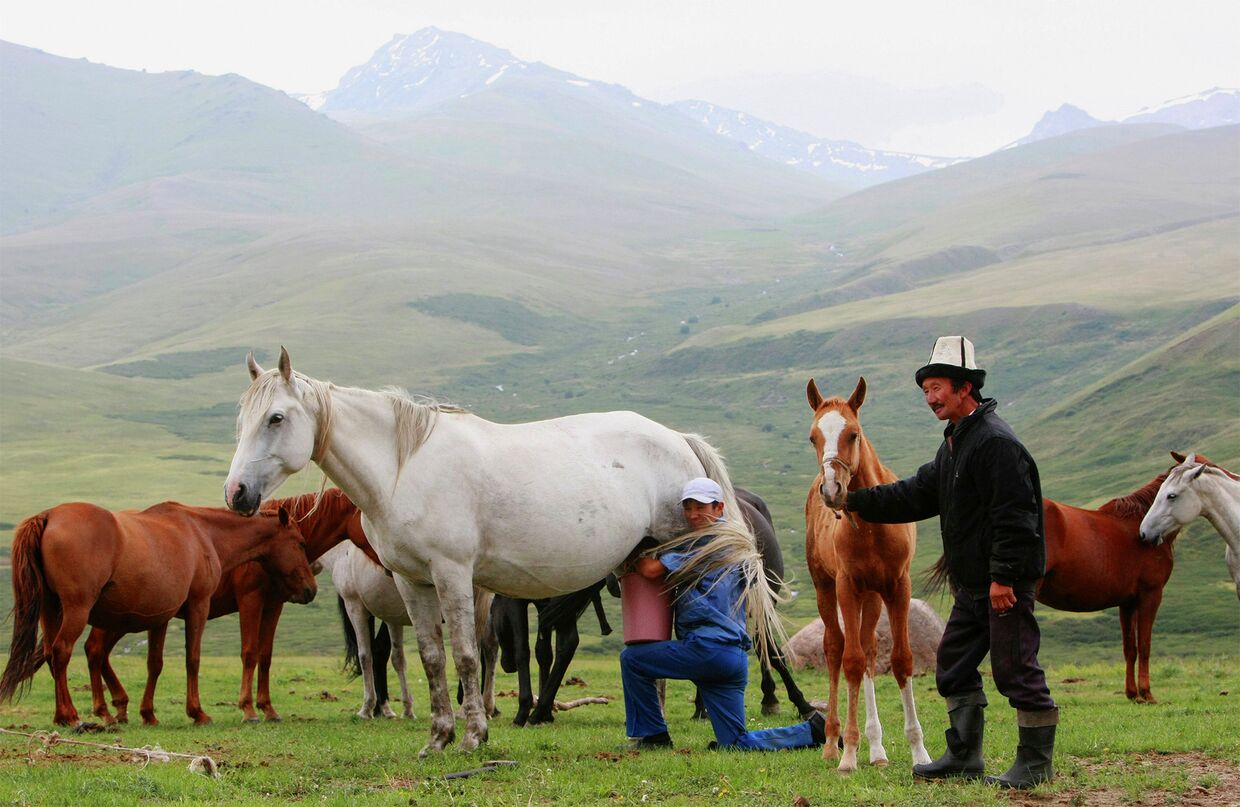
(952, 357)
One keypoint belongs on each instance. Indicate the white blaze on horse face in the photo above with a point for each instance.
(831, 426)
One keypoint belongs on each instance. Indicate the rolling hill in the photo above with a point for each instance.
(551, 245)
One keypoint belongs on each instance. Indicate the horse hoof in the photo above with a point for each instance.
(363, 715)
(770, 708)
(879, 763)
(252, 720)
(274, 719)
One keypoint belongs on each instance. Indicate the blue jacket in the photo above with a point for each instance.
(710, 610)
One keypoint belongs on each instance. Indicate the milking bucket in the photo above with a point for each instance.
(646, 607)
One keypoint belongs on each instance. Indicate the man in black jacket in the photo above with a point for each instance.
(984, 487)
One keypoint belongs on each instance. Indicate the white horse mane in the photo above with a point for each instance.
(415, 415)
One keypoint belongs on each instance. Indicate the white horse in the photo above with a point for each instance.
(369, 591)
(448, 499)
(1198, 487)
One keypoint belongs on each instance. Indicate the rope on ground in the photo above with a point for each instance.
(199, 763)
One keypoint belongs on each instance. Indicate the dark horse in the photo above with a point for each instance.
(758, 517)
(558, 615)
(1095, 559)
(132, 571)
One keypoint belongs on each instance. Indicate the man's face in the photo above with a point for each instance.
(701, 515)
(945, 402)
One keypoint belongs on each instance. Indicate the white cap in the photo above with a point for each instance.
(702, 490)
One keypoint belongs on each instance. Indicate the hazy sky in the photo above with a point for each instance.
(953, 78)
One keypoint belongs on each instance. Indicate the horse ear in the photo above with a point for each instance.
(255, 369)
(286, 365)
(1178, 457)
(1200, 470)
(814, 396)
(858, 397)
(284, 517)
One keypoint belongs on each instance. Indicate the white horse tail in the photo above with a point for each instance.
(716, 469)
(731, 547)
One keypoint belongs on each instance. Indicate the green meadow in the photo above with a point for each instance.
(1182, 750)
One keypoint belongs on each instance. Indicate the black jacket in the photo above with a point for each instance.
(984, 487)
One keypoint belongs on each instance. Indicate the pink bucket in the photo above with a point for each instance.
(646, 607)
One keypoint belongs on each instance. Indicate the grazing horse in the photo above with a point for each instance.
(559, 615)
(131, 571)
(758, 518)
(1198, 487)
(450, 500)
(1095, 559)
(857, 566)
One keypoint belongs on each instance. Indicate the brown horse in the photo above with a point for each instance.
(856, 567)
(257, 596)
(1095, 559)
(131, 571)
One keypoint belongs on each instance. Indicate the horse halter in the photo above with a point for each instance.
(848, 475)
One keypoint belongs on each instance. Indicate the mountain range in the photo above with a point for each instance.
(1203, 110)
(531, 244)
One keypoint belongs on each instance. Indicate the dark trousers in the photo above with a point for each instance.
(1011, 638)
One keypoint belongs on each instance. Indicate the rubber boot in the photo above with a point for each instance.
(1033, 751)
(963, 757)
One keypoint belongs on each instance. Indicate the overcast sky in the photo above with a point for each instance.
(953, 78)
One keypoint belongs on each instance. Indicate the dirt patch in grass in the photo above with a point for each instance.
(1208, 782)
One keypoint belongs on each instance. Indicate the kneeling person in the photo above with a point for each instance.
(710, 649)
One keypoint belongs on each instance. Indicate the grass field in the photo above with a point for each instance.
(1184, 750)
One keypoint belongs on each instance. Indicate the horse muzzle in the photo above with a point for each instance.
(242, 499)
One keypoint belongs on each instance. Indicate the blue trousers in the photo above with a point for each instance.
(720, 672)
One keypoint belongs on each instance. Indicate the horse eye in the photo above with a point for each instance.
(275, 419)
(1171, 496)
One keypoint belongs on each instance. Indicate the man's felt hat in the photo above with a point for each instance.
(952, 357)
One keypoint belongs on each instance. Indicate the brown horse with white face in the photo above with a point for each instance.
(132, 571)
(856, 567)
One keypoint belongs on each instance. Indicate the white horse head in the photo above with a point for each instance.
(1176, 503)
(281, 426)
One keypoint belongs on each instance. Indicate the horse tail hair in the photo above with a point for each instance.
(935, 579)
(29, 589)
(731, 547)
(716, 469)
(352, 663)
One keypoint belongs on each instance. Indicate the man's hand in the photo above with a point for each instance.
(651, 568)
(1002, 598)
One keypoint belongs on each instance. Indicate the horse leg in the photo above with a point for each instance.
(521, 656)
(72, 623)
(422, 603)
(770, 703)
(488, 648)
(567, 640)
(854, 666)
(1232, 556)
(871, 610)
(357, 614)
(120, 698)
(1147, 610)
(902, 668)
(833, 652)
(545, 659)
(195, 623)
(397, 633)
(250, 615)
(266, 645)
(154, 666)
(1128, 632)
(96, 657)
(454, 584)
(780, 664)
